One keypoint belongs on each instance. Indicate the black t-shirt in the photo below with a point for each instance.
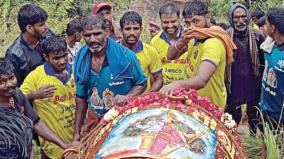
(16, 126)
(25, 57)
(23, 106)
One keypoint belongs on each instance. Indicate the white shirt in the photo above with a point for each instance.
(73, 52)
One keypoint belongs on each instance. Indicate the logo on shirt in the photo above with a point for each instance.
(195, 54)
(72, 83)
(116, 83)
(96, 100)
(106, 103)
(271, 78)
(59, 99)
(281, 64)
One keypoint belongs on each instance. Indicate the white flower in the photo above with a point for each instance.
(111, 114)
(228, 121)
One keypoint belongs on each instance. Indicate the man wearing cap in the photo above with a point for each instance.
(104, 9)
(246, 66)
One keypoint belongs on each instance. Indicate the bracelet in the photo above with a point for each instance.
(175, 45)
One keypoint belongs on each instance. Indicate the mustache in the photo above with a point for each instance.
(96, 43)
(171, 28)
(242, 24)
(131, 36)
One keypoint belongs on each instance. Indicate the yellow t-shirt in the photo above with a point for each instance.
(214, 51)
(58, 111)
(255, 26)
(173, 70)
(149, 61)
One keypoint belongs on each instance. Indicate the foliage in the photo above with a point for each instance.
(219, 8)
(58, 11)
(61, 12)
(253, 146)
(118, 6)
(268, 144)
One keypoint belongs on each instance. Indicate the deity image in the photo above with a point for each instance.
(96, 100)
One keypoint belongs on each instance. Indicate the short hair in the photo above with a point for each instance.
(94, 20)
(169, 8)
(275, 16)
(130, 16)
(6, 67)
(54, 44)
(30, 14)
(195, 7)
(73, 26)
(257, 13)
(15, 135)
(261, 21)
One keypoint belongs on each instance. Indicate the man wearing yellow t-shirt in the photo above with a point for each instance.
(51, 89)
(131, 28)
(176, 69)
(207, 58)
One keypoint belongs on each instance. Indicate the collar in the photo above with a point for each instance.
(48, 70)
(113, 37)
(118, 59)
(105, 62)
(280, 47)
(139, 47)
(198, 41)
(167, 40)
(31, 47)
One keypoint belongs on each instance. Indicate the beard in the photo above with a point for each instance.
(241, 27)
(96, 49)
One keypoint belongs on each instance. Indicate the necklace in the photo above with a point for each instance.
(12, 103)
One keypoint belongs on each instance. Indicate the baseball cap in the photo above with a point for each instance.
(101, 5)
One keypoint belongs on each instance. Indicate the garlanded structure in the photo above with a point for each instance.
(182, 125)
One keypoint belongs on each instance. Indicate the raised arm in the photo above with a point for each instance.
(180, 46)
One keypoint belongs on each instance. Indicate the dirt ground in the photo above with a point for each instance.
(243, 128)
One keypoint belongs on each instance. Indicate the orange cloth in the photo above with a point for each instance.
(219, 33)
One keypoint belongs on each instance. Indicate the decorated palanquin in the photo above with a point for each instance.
(179, 126)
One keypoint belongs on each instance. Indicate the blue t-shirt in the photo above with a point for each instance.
(103, 85)
(272, 92)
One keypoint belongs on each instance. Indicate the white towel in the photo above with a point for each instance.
(267, 45)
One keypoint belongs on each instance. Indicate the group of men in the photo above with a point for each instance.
(64, 85)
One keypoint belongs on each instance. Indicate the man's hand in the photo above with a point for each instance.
(120, 100)
(43, 92)
(186, 36)
(181, 45)
(76, 137)
(72, 144)
(168, 89)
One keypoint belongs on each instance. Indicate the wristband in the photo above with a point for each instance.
(175, 45)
